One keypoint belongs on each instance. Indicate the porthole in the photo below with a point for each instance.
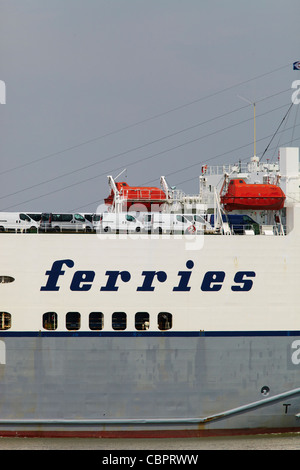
(265, 390)
(6, 279)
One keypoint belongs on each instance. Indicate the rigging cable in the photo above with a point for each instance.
(143, 121)
(143, 146)
(276, 132)
(295, 120)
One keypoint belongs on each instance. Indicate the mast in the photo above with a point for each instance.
(254, 120)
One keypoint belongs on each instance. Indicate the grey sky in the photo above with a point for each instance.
(77, 72)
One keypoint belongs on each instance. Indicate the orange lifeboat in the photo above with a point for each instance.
(137, 195)
(241, 195)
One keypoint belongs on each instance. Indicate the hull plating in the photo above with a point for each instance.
(147, 385)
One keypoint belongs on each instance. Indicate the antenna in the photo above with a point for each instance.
(120, 173)
(254, 104)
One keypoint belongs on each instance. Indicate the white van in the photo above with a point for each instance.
(120, 221)
(89, 216)
(60, 222)
(35, 216)
(182, 224)
(97, 222)
(17, 222)
(199, 221)
(159, 222)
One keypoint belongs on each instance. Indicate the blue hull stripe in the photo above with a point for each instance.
(120, 334)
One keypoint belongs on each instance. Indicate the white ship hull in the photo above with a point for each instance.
(226, 348)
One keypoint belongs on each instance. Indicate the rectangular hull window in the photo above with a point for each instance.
(119, 321)
(50, 321)
(96, 321)
(164, 320)
(5, 320)
(142, 320)
(73, 321)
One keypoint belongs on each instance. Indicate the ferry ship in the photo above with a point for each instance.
(158, 335)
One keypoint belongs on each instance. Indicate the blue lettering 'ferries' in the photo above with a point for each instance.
(82, 281)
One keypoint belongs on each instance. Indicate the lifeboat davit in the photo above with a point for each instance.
(137, 195)
(241, 195)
